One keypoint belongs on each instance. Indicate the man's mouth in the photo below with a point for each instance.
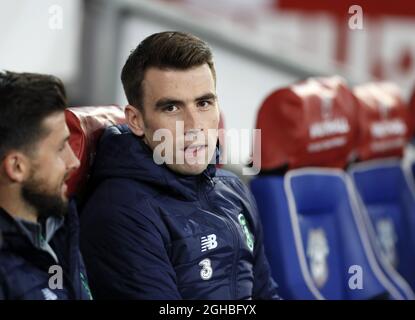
(195, 146)
(194, 149)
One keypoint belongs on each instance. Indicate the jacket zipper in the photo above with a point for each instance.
(236, 240)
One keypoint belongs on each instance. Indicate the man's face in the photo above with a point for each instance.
(175, 99)
(51, 164)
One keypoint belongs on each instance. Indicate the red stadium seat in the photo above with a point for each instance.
(311, 123)
(86, 124)
(383, 189)
(384, 121)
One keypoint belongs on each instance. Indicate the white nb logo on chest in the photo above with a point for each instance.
(208, 242)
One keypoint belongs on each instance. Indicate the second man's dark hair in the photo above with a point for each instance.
(26, 99)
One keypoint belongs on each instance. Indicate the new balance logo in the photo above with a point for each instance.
(49, 295)
(208, 242)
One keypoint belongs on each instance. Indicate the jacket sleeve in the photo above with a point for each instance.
(125, 254)
(265, 288)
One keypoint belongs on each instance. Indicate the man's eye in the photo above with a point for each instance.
(170, 108)
(205, 103)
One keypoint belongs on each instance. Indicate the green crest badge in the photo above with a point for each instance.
(249, 239)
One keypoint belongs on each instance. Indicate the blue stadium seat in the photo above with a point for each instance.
(315, 239)
(316, 232)
(389, 201)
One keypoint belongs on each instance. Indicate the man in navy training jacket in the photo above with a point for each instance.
(39, 235)
(178, 228)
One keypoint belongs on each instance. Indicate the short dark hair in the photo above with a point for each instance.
(164, 50)
(26, 99)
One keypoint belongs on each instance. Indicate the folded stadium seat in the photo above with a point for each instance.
(314, 236)
(384, 191)
(86, 124)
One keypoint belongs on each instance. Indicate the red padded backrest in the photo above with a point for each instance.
(310, 123)
(384, 122)
(86, 124)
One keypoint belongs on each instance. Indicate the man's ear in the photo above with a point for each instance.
(16, 166)
(135, 120)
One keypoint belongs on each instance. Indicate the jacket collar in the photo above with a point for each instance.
(26, 233)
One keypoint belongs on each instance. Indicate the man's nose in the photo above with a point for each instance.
(73, 161)
(192, 120)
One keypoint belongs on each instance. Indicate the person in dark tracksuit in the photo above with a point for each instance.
(39, 229)
(165, 223)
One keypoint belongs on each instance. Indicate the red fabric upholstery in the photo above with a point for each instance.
(311, 123)
(384, 122)
(86, 124)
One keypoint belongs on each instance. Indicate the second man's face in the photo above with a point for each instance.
(183, 104)
(53, 162)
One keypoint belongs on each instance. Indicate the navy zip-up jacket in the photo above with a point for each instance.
(149, 233)
(24, 266)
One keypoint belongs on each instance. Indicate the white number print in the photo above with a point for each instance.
(206, 272)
